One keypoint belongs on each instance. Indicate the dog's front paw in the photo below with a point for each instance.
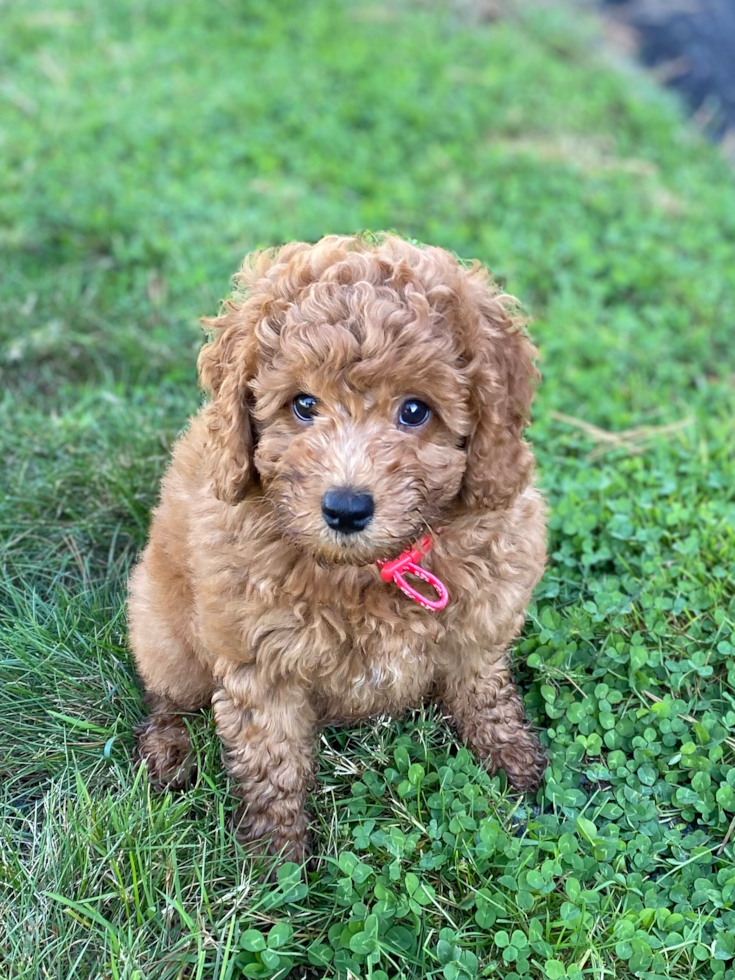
(271, 836)
(164, 745)
(524, 760)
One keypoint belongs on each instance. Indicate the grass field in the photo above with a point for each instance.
(144, 148)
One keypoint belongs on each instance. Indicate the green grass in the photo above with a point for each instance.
(144, 148)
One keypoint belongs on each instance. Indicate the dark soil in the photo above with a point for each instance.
(691, 43)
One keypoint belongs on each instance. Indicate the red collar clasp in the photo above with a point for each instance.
(408, 564)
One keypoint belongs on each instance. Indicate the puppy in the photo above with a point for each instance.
(347, 527)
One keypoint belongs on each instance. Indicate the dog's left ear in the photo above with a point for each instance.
(503, 378)
(225, 367)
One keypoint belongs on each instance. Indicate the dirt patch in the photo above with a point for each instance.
(690, 44)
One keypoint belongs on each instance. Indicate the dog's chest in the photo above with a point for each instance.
(358, 644)
(381, 671)
(387, 682)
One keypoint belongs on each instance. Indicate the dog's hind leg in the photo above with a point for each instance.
(487, 711)
(163, 739)
(176, 682)
(164, 744)
(268, 739)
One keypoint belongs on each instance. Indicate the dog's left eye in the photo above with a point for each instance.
(304, 407)
(414, 412)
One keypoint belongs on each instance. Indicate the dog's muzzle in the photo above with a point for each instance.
(346, 511)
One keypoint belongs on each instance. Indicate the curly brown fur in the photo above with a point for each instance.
(244, 596)
(164, 743)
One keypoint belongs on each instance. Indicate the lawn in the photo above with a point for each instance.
(145, 147)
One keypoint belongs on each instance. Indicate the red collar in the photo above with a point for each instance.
(407, 563)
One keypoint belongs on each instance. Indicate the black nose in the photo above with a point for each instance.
(347, 511)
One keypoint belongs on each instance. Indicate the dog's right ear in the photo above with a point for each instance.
(225, 367)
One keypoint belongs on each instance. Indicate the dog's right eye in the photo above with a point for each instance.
(304, 407)
(414, 413)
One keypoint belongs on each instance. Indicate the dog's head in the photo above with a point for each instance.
(372, 389)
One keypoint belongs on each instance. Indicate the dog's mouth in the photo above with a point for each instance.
(364, 548)
(377, 540)
(360, 549)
